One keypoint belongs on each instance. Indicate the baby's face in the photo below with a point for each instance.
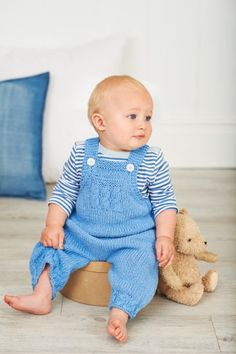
(127, 114)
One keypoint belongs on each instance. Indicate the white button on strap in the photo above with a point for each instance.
(91, 161)
(130, 167)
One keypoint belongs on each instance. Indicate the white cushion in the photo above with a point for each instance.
(74, 72)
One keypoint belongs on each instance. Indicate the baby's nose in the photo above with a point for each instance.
(141, 124)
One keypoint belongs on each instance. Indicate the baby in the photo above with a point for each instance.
(114, 202)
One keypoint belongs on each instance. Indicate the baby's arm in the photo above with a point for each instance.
(164, 208)
(53, 233)
(166, 222)
(63, 199)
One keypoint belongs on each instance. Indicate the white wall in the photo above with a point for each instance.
(186, 49)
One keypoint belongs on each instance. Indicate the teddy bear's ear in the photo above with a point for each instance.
(183, 211)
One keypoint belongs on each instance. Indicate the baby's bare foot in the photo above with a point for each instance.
(116, 325)
(35, 303)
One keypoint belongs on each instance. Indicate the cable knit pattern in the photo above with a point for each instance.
(111, 221)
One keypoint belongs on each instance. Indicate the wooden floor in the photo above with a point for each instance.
(163, 326)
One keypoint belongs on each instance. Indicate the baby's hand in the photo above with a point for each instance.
(165, 251)
(52, 236)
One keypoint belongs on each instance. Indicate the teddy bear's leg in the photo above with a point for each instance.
(210, 280)
(188, 295)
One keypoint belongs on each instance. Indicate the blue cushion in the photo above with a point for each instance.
(22, 103)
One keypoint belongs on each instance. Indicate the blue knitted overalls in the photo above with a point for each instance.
(112, 221)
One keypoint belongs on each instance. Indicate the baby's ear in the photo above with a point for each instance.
(98, 121)
(183, 211)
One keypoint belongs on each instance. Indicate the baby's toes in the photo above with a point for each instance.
(119, 336)
(118, 331)
(122, 338)
(9, 299)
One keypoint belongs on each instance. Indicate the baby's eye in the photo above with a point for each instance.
(148, 118)
(132, 116)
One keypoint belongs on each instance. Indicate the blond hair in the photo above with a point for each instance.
(103, 88)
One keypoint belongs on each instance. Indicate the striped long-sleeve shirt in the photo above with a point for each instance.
(153, 178)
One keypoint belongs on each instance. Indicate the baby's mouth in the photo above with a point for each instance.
(139, 136)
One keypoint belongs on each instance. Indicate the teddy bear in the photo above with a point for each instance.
(182, 281)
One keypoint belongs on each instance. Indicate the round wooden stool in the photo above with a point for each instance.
(89, 285)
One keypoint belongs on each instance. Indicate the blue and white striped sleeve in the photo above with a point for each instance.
(66, 190)
(160, 189)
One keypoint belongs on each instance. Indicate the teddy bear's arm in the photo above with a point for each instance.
(171, 278)
(207, 257)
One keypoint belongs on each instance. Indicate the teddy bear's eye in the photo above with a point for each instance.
(189, 240)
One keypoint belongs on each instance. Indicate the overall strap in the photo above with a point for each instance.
(91, 147)
(136, 156)
(90, 155)
(135, 159)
